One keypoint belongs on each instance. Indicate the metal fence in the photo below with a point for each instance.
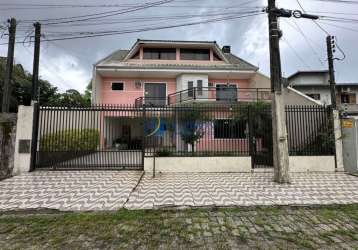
(119, 137)
(310, 130)
(90, 137)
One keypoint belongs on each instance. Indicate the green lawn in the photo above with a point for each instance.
(226, 228)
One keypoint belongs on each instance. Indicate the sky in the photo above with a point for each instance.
(68, 64)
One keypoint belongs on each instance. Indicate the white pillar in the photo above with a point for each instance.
(23, 132)
(338, 141)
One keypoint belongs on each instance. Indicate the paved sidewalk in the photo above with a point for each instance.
(111, 190)
(243, 189)
(68, 190)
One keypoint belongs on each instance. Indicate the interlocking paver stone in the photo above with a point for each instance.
(68, 190)
(111, 190)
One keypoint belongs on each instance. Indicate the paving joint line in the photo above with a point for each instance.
(134, 188)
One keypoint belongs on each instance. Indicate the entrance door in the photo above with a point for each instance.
(155, 94)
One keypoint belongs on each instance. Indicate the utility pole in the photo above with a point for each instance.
(6, 93)
(280, 144)
(35, 70)
(332, 81)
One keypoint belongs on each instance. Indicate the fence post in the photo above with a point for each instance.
(35, 129)
(251, 152)
(143, 136)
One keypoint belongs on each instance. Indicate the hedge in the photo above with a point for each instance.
(71, 140)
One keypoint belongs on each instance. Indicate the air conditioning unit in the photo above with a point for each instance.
(138, 84)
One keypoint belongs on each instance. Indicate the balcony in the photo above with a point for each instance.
(208, 94)
(220, 94)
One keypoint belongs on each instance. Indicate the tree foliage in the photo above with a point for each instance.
(48, 94)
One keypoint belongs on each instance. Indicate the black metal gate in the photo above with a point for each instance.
(260, 130)
(97, 137)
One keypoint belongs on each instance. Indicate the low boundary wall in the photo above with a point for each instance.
(198, 164)
(232, 164)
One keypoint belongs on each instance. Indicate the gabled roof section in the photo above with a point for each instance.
(232, 62)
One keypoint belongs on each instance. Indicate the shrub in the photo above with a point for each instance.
(163, 153)
(71, 140)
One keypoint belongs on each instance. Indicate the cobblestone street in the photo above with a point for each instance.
(226, 228)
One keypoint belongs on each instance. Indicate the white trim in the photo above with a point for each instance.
(166, 90)
(118, 82)
(184, 71)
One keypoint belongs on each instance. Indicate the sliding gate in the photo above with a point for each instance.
(97, 137)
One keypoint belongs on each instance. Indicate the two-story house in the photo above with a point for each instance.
(158, 73)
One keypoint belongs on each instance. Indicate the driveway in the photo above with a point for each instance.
(242, 189)
(68, 190)
(112, 190)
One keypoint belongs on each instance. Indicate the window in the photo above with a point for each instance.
(195, 54)
(229, 129)
(199, 85)
(190, 88)
(117, 86)
(315, 96)
(226, 92)
(159, 54)
(348, 98)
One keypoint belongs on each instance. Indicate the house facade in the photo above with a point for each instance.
(159, 73)
(315, 84)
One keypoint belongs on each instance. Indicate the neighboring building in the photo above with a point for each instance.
(158, 73)
(315, 84)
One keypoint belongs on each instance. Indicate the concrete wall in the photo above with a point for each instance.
(23, 132)
(310, 79)
(7, 144)
(312, 164)
(198, 164)
(259, 80)
(295, 97)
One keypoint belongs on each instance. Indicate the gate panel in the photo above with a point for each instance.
(261, 141)
(97, 137)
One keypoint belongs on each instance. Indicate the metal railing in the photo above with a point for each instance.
(220, 94)
(150, 101)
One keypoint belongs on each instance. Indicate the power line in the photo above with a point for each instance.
(119, 32)
(98, 15)
(296, 53)
(307, 40)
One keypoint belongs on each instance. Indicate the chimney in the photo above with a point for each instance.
(226, 49)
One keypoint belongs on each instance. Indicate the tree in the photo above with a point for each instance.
(48, 94)
(192, 129)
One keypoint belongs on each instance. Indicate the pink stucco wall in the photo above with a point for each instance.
(130, 92)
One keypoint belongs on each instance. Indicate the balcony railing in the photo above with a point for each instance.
(220, 94)
(151, 101)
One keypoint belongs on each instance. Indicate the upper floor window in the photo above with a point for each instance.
(159, 53)
(195, 54)
(118, 86)
(348, 98)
